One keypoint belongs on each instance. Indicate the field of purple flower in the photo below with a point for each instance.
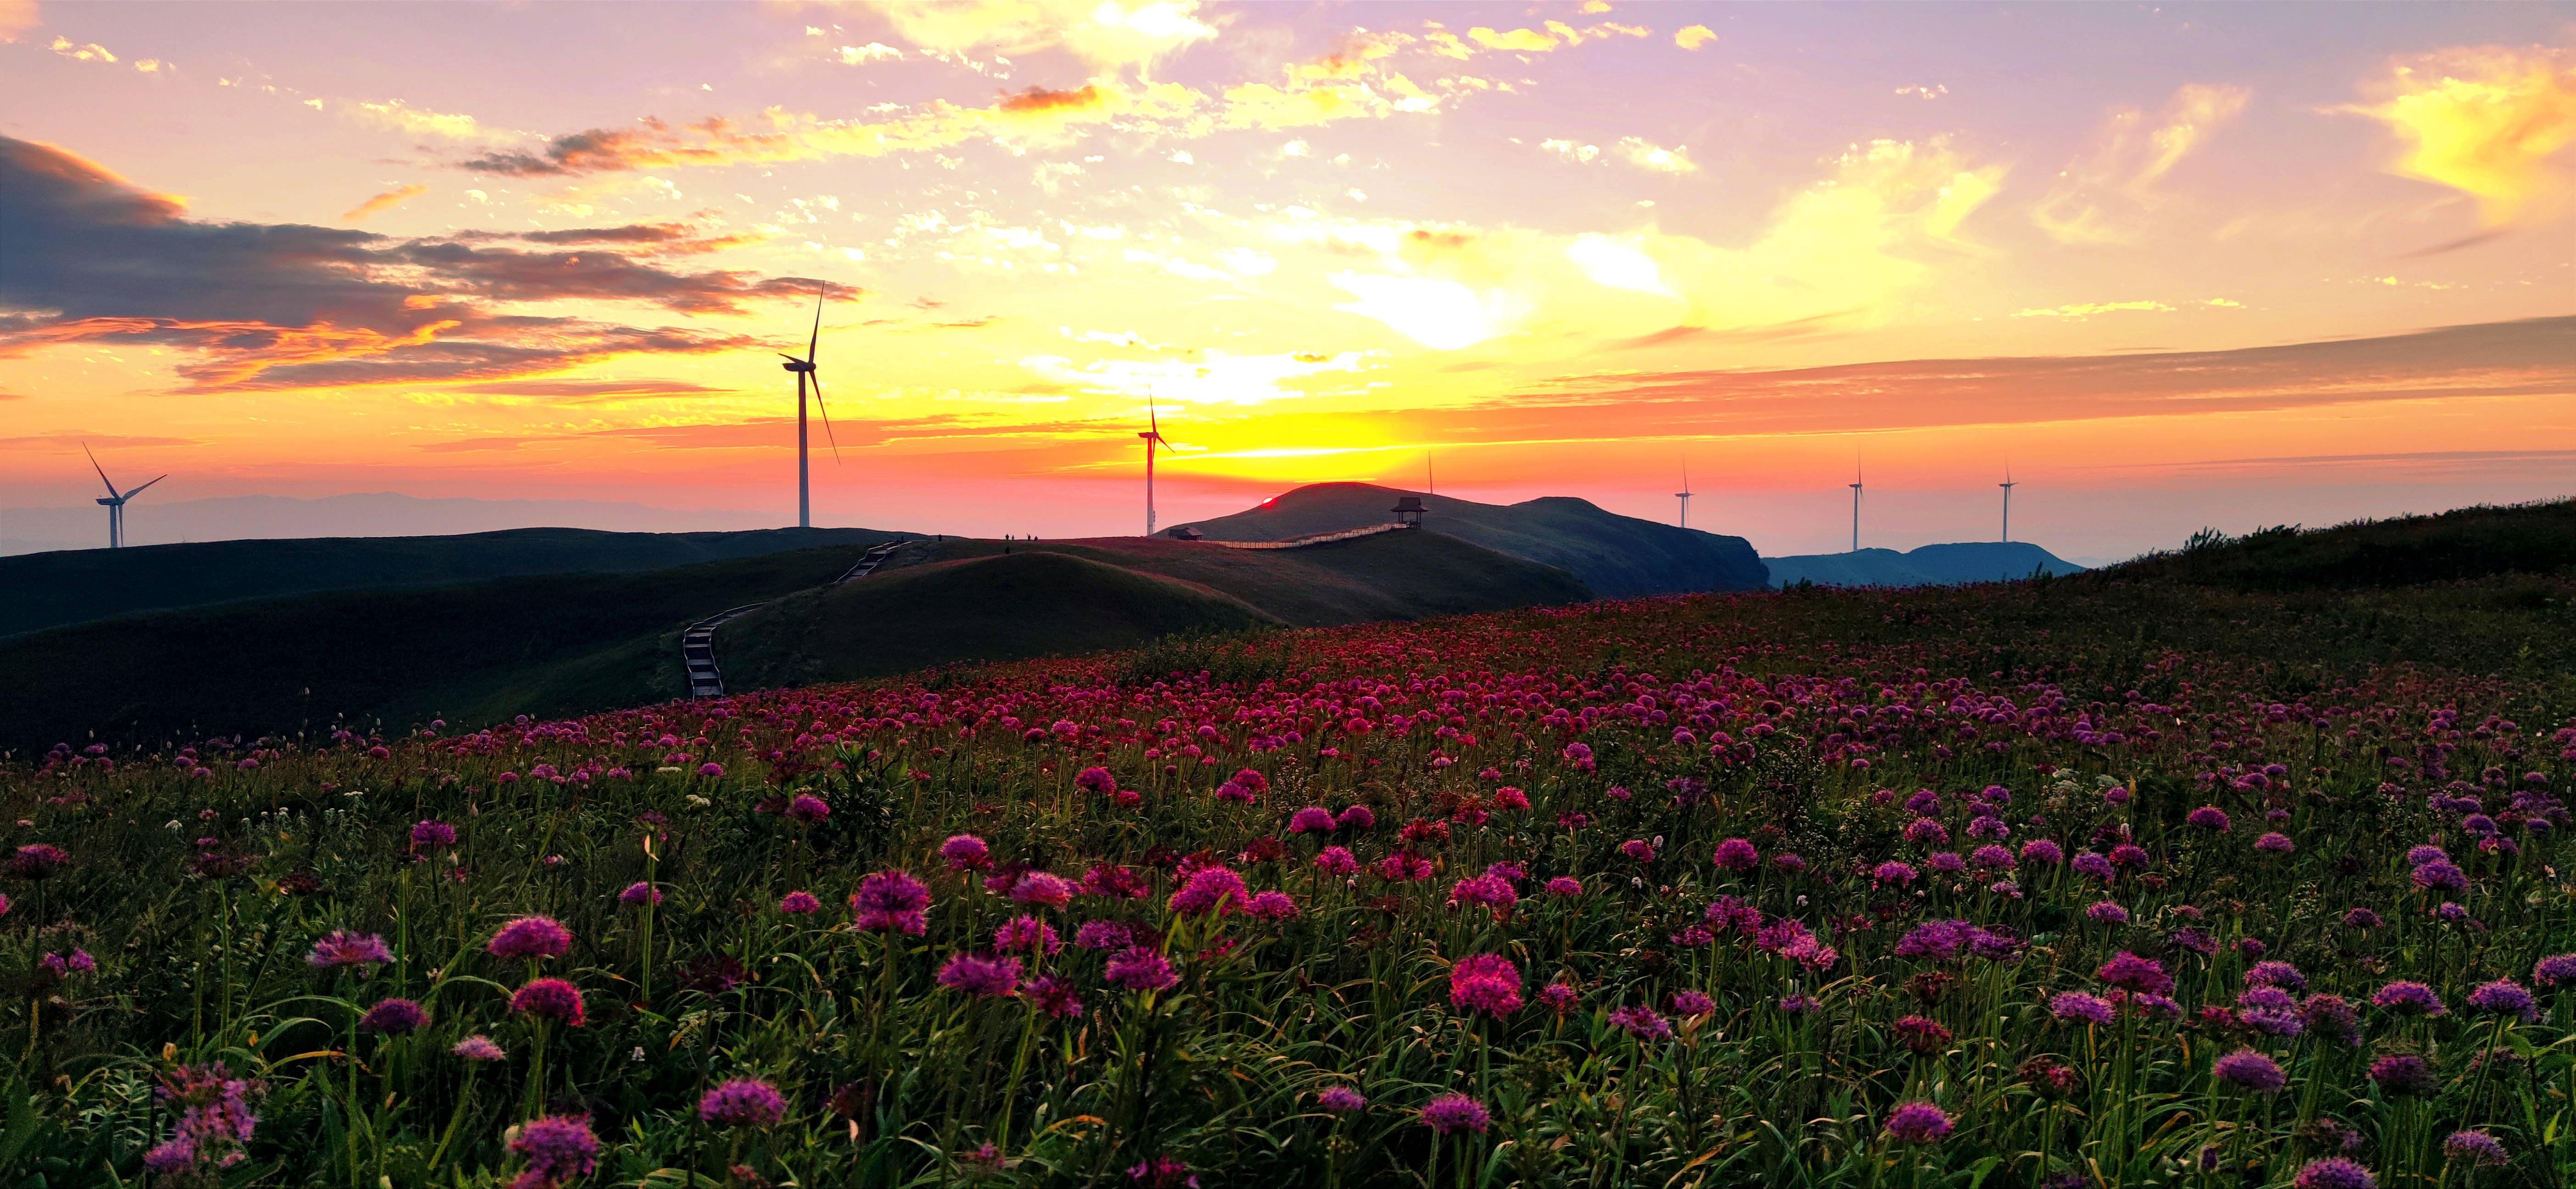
(2072, 883)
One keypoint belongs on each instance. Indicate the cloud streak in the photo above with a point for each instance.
(383, 202)
(2533, 357)
(92, 257)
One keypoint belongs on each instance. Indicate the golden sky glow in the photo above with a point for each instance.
(2173, 265)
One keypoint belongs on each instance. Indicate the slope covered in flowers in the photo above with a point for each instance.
(2057, 884)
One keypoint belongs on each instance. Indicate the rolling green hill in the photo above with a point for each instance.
(961, 600)
(554, 644)
(1617, 556)
(1389, 576)
(470, 652)
(2477, 542)
(994, 607)
(44, 590)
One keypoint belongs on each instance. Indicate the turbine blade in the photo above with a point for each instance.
(817, 339)
(102, 473)
(139, 490)
(827, 419)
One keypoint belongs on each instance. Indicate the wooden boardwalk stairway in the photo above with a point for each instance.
(698, 643)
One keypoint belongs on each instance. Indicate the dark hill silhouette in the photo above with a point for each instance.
(2462, 544)
(1388, 576)
(1928, 565)
(990, 608)
(567, 643)
(45, 590)
(1617, 556)
(470, 652)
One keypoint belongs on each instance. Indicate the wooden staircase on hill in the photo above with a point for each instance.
(698, 643)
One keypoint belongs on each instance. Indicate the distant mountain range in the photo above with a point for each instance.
(1617, 556)
(1928, 565)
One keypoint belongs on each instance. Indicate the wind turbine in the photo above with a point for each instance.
(804, 369)
(2007, 485)
(1430, 478)
(1855, 486)
(115, 501)
(1153, 436)
(1684, 495)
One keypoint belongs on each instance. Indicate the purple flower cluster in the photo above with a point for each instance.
(891, 902)
(1917, 1123)
(1486, 983)
(1450, 1114)
(215, 1123)
(743, 1102)
(341, 949)
(558, 1148)
(531, 938)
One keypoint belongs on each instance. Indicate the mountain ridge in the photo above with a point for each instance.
(1616, 556)
(1948, 564)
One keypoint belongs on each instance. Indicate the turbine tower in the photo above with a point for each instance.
(2007, 485)
(115, 501)
(1684, 495)
(1855, 486)
(1153, 436)
(804, 369)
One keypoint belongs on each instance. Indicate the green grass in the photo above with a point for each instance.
(549, 643)
(990, 608)
(560, 644)
(1384, 577)
(44, 590)
(199, 883)
(2535, 538)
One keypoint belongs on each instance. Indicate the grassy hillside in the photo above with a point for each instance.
(560, 644)
(1928, 565)
(471, 652)
(996, 607)
(2084, 881)
(1617, 556)
(43, 590)
(2538, 538)
(1390, 576)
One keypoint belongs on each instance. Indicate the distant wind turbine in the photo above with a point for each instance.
(1855, 486)
(115, 501)
(2007, 485)
(1430, 478)
(1153, 436)
(804, 369)
(1684, 495)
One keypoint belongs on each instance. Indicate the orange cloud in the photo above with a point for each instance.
(1038, 99)
(2489, 121)
(16, 17)
(383, 202)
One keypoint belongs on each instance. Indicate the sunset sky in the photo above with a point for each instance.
(2175, 265)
